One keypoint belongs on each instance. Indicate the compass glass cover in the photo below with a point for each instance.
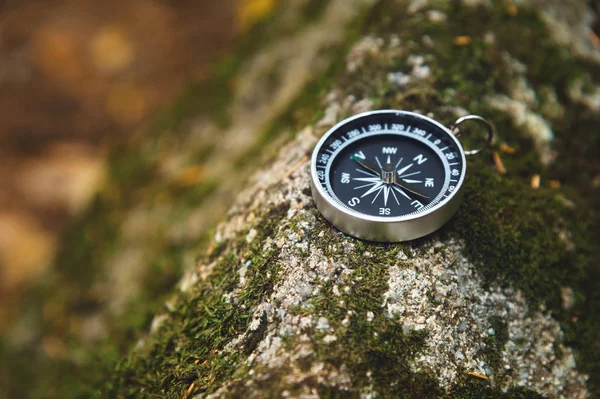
(389, 164)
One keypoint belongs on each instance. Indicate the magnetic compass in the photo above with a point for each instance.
(390, 175)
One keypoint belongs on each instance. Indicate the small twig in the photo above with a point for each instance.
(511, 9)
(507, 149)
(462, 40)
(295, 167)
(535, 181)
(498, 163)
(474, 374)
(594, 39)
(189, 391)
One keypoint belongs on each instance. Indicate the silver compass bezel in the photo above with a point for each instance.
(386, 229)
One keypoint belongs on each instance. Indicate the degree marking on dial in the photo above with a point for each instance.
(404, 169)
(455, 163)
(443, 149)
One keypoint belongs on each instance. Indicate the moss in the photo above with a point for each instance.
(474, 388)
(191, 349)
(503, 221)
(381, 352)
(494, 343)
(507, 234)
(511, 231)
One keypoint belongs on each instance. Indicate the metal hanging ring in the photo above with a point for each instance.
(456, 131)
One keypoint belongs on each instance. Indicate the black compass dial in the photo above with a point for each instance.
(390, 164)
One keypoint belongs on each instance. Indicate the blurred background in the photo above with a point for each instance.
(114, 116)
(86, 87)
(105, 194)
(77, 79)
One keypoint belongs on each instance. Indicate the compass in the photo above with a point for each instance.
(390, 175)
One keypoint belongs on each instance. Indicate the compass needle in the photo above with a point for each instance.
(401, 192)
(365, 172)
(367, 164)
